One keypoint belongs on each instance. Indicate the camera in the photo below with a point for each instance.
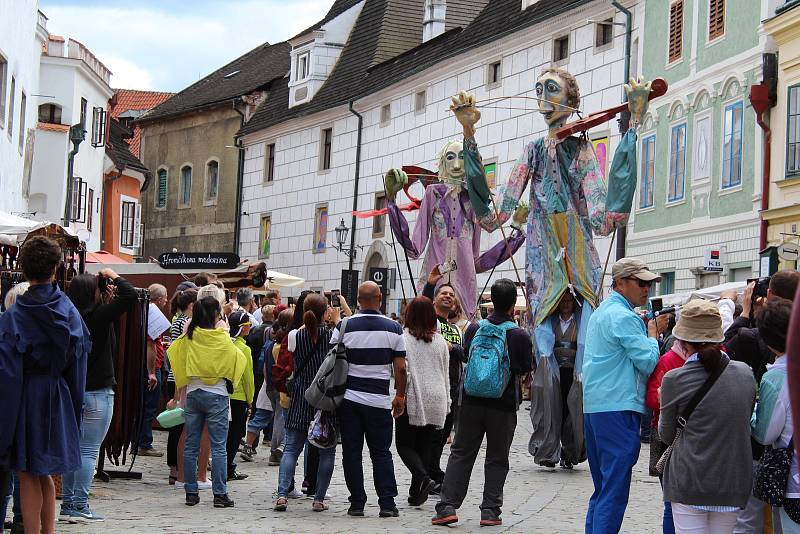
(761, 286)
(104, 283)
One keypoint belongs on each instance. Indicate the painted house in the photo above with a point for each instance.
(391, 67)
(23, 31)
(700, 148)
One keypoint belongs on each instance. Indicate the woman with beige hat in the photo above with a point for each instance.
(705, 409)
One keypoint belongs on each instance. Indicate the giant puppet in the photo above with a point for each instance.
(569, 200)
(446, 226)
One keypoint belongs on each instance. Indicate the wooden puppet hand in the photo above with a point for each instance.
(463, 107)
(638, 92)
(395, 180)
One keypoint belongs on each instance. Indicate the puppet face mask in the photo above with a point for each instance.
(554, 94)
(451, 164)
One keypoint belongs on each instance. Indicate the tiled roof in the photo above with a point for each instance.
(363, 67)
(118, 150)
(252, 71)
(49, 127)
(130, 99)
(338, 7)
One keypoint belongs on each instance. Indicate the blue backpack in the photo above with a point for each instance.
(488, 368)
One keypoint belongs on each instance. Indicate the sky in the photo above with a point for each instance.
(166, 45)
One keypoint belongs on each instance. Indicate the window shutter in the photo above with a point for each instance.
(716, 19)
(98, 127)
(675, 30)
(137, 227)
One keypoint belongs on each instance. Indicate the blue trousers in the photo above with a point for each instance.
(612, 446)
(151, 399)
(206, 408)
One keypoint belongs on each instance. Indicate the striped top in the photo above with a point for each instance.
(372, 341)
(307, 358)
(175, 331)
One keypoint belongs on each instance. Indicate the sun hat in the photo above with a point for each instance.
(633, 267)
(699, 322)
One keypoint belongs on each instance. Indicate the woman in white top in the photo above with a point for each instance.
(427, 395)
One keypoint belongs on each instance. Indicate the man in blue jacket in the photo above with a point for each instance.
(620, 354)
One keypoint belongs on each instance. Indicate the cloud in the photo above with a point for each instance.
(165, 46)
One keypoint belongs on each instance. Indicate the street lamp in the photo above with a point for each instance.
(341, 239)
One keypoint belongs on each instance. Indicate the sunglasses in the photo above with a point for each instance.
(642, 283)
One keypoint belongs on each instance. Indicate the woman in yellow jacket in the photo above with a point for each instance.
(242, 396)
(210, 366)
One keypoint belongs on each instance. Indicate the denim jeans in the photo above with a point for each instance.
(98, 407)
(278, 421)
(206, 408)
(151, 398)
(295, 441)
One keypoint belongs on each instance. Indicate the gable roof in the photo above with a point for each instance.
(363, 67)
(126, 100)
(252, 71)
(338, 7)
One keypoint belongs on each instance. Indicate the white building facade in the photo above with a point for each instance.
(76, 88)
(23, 30)
(408, 123)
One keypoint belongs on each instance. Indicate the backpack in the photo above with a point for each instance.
(266, 362)
(330, 383)
(258, 337)
(283, 368)
(488, 369)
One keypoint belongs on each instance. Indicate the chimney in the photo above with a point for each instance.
(434, 19)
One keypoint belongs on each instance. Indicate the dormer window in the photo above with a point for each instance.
(303, 61)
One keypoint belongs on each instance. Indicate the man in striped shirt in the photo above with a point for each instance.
(375, 347)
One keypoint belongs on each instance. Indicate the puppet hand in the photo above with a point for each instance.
(638, 92)
(520, 215)
(463, 107)
(395, 180)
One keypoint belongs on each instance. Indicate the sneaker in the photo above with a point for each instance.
(236, 475)
(490, 518)
(426, 486)
(62, 516)
(294, 494)
(247, 453)
(389, 512)
(437, 489)
(355, 511)
(192, 499)
(203, 484)
(223, 501)
(491, 522)
(548, 465)
(446, 517)
(83, 514)
(149, 452)
(275, 458)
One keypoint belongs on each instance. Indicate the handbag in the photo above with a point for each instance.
(772, 474)
(687, 412)
(322, 432)
(327, 389)
(657, 448)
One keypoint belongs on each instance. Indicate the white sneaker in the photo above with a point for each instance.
(201, 485)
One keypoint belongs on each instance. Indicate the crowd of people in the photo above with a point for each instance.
(709, 382)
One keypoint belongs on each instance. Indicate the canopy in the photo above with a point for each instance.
(707, 293)
(14, 224)
(104, 258)
(276, 279)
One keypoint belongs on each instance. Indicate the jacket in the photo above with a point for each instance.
(245, 391)
(711, 464)
(618, 358)
(669, 361)
(209, 355)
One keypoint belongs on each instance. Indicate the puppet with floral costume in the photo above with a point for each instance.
(568, 201)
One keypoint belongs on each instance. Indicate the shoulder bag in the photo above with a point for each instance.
(687, 412)
(772, 474)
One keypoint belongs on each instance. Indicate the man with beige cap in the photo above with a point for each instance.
(620, 354)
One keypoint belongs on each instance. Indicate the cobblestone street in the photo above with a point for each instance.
(536, 500)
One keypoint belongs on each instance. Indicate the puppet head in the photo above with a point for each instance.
(559, 94)
(451, 164)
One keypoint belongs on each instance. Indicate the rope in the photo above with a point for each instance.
(405, 252)
(603, 274)
(394, 249)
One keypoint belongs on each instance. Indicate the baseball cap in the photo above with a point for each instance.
(633, 268)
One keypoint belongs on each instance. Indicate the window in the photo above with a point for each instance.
(675, 45)
(716, 19)
(325, 155)
(561, 49)
(419, 101)
(648, 172)
(50, 114)
(3, 83)
(212, 181)
(302, 69)
(793, 132)
(732, 146)
(740, 274)
(604, 32)
(379, 221)
(84, 104)
(269, 163)
(127, 224)
(11, 107)
(161, 192)
(667, 284)
(320, 228)
(79, 200)
(386, 114)
(677, 163)
(98, 127)
(185, 197)
(264, 236)
(23, 104)
(494, 73)
(89, 210)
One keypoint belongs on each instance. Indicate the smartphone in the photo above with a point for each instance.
(656, 304)
(447, 267)
(335, 302)
(290, 301)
